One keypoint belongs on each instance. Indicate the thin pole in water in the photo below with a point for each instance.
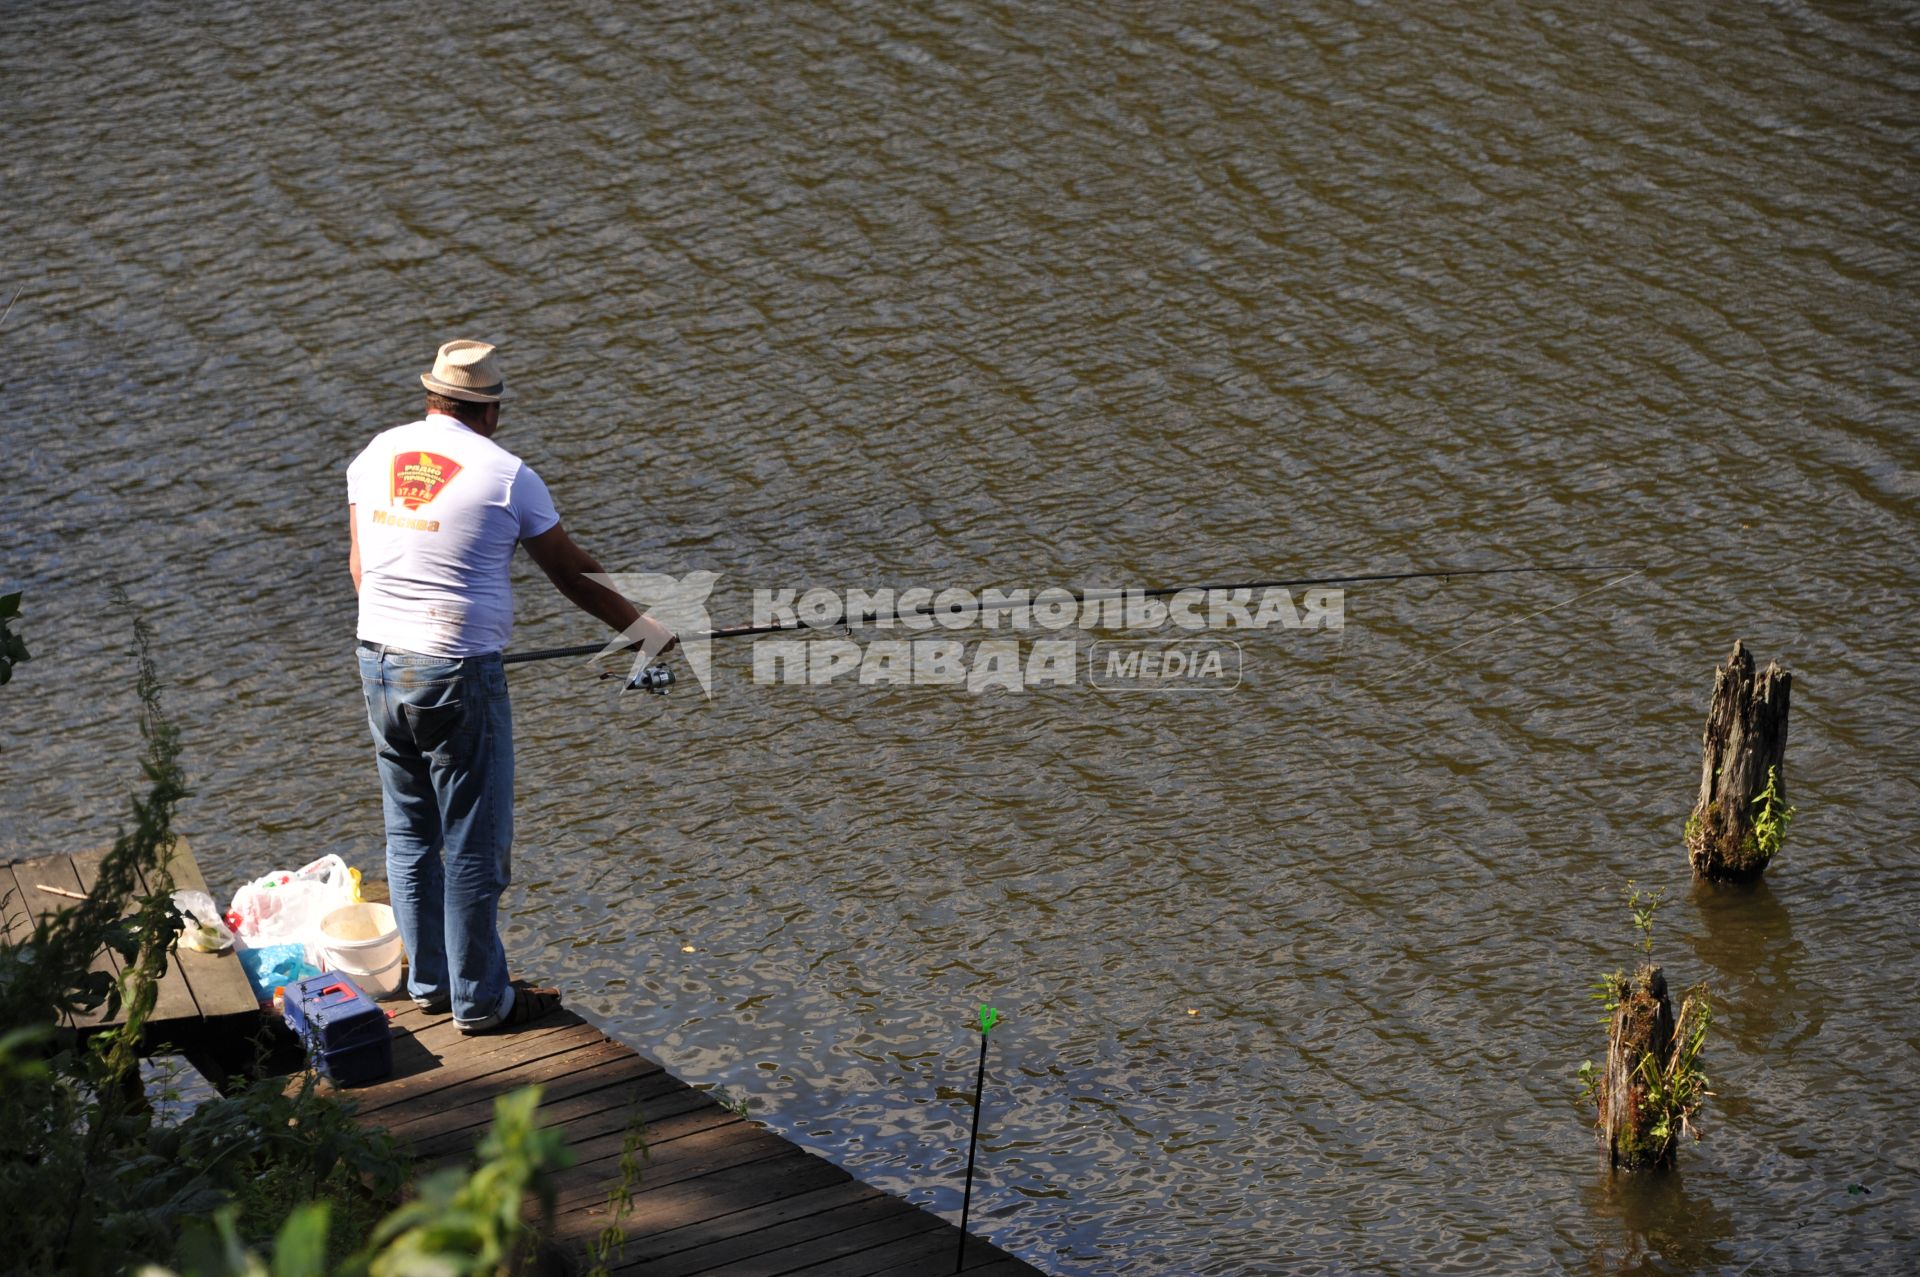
(988, 1018)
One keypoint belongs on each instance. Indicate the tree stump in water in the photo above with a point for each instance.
(1642, 1028)
(1737, 820)
(1643, 1097)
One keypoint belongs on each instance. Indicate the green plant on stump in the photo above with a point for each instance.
(1641, 904)
(1652, 1084)
(1677, 1090)
(1765, 836)
(1768, 832)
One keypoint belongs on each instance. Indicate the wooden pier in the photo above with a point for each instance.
(718, 1194)
(204, 1001)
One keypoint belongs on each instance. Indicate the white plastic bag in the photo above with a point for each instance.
(286, 906)
(205, 930)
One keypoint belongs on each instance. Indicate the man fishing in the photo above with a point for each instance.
(435, 509)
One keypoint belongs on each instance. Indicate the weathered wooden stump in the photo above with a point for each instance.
(1642, 1029)
(1740, 815)
(1653, 1084)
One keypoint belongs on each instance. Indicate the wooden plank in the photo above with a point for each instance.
(660, 1244)
(453, 1046)
(419, 1071)
(166, 995)
(615, 1109)
(722, 1145)
(408, 1016)
(591, 1081)
(217, 980)
(716, 1194)
(705, 1147)
(611, 1086)
(444, 1036)
(665, 1114)
(982, 1257)
(725, 1191)
(581, 1194)
(924, 1251)
(172, 999)
(514, 1051)
(477, 1077)
(797, 1239)
(13, 904)
(583, 1185)
(58, 871)
(695, 1112)
(926, 1233)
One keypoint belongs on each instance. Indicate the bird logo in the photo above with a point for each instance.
(679, 603)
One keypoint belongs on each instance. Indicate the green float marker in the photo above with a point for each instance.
(988, 1018)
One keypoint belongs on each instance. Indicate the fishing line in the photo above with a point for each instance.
(1082, 597)
(1499, 628)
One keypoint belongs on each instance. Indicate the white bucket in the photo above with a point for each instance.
(363, 941)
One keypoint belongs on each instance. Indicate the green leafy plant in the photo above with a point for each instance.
(1677, 1086)
(738, 1105)
(1609, 991)
(1771, 816)
(634, 1151)
(1667, 1087)
(1642, 904)
(109, 1183)
(73, 1122)
(471, 1224)
(12, 649)
(460, 1224)
(275, 1147)
(1589, 1082)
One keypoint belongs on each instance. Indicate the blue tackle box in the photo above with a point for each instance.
(346, 1032)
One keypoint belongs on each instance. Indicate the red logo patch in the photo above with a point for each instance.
(419, 476)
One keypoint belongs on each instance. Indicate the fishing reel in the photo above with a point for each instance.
(654, 678)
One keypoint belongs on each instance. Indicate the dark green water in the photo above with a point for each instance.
(978, 294)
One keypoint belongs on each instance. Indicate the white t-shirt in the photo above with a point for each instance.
(438, 510)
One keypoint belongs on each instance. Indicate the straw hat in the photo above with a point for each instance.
(465, 370)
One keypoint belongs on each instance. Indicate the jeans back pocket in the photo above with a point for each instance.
(431, 726)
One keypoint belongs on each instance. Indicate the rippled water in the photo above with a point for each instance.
(981, 294)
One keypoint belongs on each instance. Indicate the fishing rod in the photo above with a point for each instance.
(1082, 597)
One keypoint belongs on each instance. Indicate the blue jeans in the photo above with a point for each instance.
(443, 734)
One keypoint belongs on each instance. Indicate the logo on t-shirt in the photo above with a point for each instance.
(419, 476)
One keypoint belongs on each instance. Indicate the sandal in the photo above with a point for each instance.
(530, 1003)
